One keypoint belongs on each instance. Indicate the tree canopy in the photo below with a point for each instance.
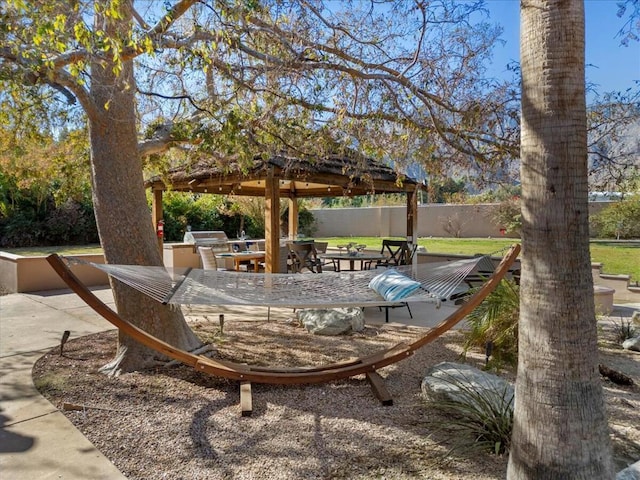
(398, 80)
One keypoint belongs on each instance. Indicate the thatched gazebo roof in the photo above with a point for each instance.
(289, 177)
(330, 176)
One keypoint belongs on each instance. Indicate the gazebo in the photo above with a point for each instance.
(283, 176)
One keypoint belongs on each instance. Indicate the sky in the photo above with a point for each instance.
(611, 66)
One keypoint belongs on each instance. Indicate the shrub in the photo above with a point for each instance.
(21, 230)
(624, 330)
(508, 215)
(478, 418)
(198, 211)
(618, 220)
(494, 326)
(71, 223)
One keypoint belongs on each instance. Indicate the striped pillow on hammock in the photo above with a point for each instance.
(393, 285)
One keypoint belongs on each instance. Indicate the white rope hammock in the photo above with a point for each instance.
(439, 281)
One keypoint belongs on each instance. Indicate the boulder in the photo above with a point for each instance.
(632, 344)
(632, 472)
(465, 384)
(331, 321)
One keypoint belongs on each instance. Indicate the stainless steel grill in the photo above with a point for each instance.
(211, 238)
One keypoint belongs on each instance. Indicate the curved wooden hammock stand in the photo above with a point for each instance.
(295, 375)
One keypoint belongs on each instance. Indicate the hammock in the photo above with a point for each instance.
(245, 374)
(438, 281)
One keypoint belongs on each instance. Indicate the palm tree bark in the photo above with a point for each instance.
(560, 426)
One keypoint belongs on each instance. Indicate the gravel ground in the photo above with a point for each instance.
(175, 423)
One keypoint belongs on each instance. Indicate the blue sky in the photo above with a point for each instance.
(610, 65)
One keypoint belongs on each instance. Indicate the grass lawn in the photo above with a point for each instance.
(616, 257)
(66, 250)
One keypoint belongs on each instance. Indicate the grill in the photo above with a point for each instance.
(213, 238)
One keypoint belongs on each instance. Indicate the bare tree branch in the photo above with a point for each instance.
(170, 17)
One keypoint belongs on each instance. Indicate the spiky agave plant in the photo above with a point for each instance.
(475, 417)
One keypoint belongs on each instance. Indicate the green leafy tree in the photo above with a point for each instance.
(232, 79)
(618, 220)
(446, 191)
(508, 215)
(44, 189)
(183, 210)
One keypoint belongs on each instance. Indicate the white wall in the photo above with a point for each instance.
(435, 220)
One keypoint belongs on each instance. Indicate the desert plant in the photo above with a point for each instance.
(624, 330)
(494, 325)
(476, 418)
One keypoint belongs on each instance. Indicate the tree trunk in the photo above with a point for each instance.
(122, 214)
(560, 426)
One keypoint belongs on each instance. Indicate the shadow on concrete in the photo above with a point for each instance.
(11, 442)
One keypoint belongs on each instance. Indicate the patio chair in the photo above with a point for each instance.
(321, 247)
(396, 252)
(304, 256)
(208, 258)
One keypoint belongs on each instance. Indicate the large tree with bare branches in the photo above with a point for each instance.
(231, 79)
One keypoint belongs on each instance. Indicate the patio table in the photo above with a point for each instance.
(351, 258)
(239, 257)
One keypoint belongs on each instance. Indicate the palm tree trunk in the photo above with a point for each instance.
(560, 425)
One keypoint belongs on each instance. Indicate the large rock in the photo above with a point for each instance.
(331, 321)
(632, 344)
(463, 383)
(632, 472)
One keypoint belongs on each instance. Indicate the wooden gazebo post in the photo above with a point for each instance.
(293, 218)
(272, 221)
(156, 215)
(412, 216)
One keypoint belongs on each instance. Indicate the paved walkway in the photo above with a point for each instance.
(36, 440)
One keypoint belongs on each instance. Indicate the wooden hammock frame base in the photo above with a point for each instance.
(246, 374)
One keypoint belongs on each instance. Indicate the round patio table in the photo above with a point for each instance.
(362, 257)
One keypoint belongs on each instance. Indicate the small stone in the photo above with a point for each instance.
(332, 321)
(632, 472)
(632, 344)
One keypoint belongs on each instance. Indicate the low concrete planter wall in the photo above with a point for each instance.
(20, 274)
(603, 299)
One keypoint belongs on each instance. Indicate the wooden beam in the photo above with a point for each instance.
(293, 218)
(412, 216)
(272, 222)
(246, 402)
(379, 388)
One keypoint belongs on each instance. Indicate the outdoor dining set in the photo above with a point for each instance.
(302, 256)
